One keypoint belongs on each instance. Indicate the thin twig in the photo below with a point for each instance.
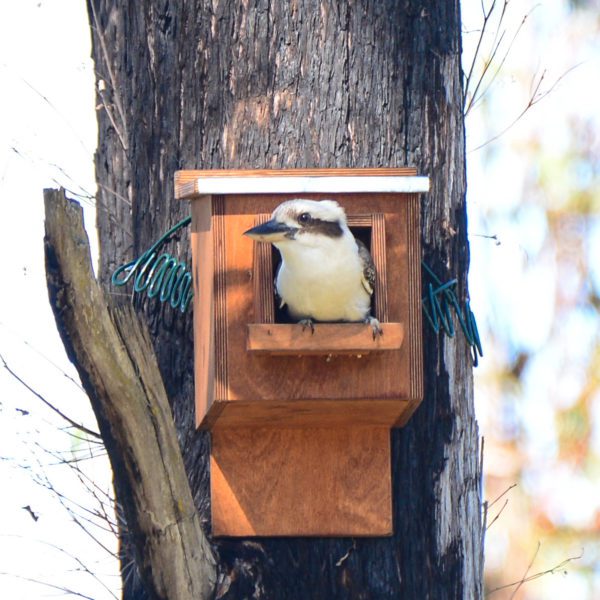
(485, 504)
(476, 98)
(75, 517)
(498, 515)
(112, 120)
(534, 99)
(61, 588)
(49, 404)
(84, 567)
(493, 237)
(47, 484)
(87, 196)
(486, 17)
(44, 356)
(488, 64)
(55, 109)
(113, 80)
(524, 579)
(115, 194)
(510, 487)
(83, 193)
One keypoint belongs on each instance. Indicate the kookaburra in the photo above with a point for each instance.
(325, 273)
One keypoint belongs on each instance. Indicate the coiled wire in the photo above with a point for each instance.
(438, 303)
(169, 279)
(159, 275)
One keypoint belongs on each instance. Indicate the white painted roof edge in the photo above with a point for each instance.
(311, 184)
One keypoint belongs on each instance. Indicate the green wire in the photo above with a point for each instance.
(439, 301)
(159, 275)
(170, 279)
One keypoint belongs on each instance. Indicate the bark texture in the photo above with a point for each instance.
(116, 363)
(302, 83)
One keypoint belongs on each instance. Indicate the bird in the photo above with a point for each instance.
(326, 274)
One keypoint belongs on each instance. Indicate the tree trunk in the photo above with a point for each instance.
(306, 83)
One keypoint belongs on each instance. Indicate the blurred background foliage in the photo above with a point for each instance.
(534, 211)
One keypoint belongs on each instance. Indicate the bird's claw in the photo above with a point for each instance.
(307, 323)
(375, 326)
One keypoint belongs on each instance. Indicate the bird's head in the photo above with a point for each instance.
(302, 221)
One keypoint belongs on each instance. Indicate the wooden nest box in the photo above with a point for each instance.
(300, 422)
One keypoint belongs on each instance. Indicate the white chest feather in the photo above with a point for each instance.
(323, 281)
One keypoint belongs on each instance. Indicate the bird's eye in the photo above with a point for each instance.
(304, 218)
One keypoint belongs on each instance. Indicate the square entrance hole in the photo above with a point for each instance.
(362, 233)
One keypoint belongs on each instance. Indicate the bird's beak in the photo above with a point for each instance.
(272, 231)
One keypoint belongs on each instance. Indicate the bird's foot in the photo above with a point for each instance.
(307, 324)
(375, 326)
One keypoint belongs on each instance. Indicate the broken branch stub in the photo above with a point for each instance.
(112, 352)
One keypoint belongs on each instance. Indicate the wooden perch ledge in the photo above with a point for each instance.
(117, 366)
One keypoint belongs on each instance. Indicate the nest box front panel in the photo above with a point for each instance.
(249, 382)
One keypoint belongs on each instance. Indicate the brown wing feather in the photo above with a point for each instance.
(368, 279)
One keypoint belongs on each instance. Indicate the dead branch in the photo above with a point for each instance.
(117, 366)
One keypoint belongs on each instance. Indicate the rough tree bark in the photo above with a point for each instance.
(302, 83)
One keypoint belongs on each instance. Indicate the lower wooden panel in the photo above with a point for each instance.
(301, 482)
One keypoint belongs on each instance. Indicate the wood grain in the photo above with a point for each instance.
(264, 287)
(318, 412)
(301, 482)
(415, 318)
(379, 254)
(325, 339)
(202, 242)
(221, 316)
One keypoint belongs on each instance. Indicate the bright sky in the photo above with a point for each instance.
(47, 138)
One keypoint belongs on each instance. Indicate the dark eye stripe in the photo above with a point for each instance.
(329, 228)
